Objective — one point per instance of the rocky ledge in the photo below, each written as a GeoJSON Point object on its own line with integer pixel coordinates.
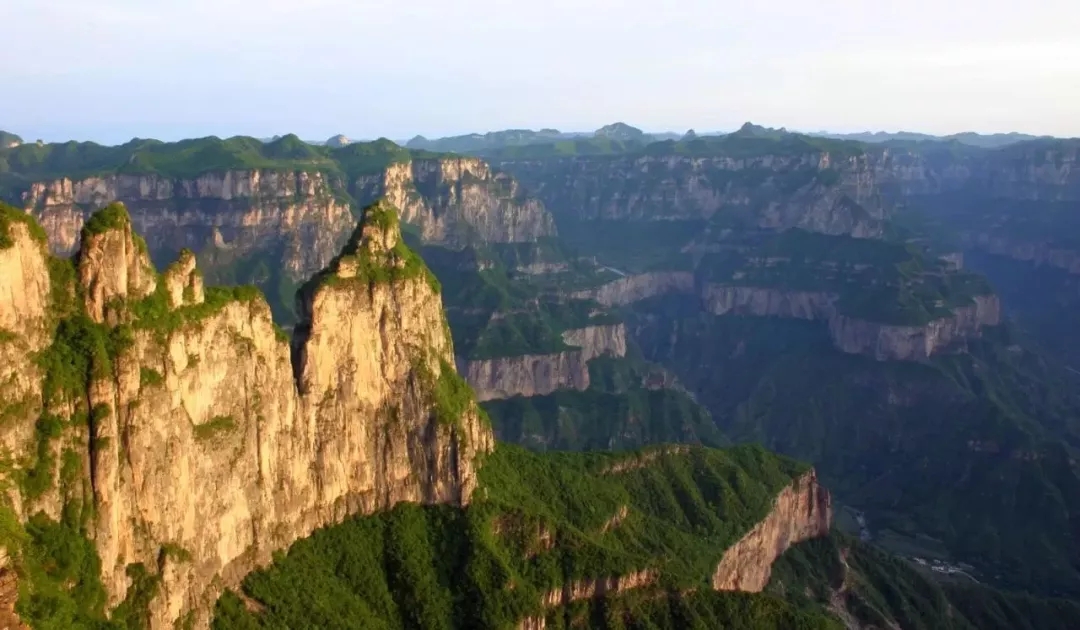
{"type": "Point", "coordinates": [542, 374]}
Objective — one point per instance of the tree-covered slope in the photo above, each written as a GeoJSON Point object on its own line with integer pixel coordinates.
{"type": "Point", "coordinates": [869, 588]}
{"type": "Point", "coordinates": [974, 449]}
{"type": "Point", "coordinates": [539, 522]}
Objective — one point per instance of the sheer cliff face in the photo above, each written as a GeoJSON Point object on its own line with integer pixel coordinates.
{"type": "Point", "coordinates": [802, 511]}
{"type": "Point", "coordinates": [542, 374]}
{"type": "Point", "coordinates": [212, 444]}
{"type": "Point", "coordinates": [455, 201]}
{"type": "Point", "coordinates": [640, 287]}
{"type": "Point", "coordinates": [242, 211]}
{"type": "Point", "coordinates": [1031, 170]}
{"type": "Point", "coordinates": [886, 342]}
{"type": "Point", "coordinates": [777, 191]}
{"type": "Point", "coordinates": [880, 341]}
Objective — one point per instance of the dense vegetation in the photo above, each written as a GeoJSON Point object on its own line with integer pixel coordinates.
{"type": "Point", "coordinates": [881, 281]}
{"type": "Point", "coordinates": [748, 142]}
{"type": "Point", "coordinates": [27, 163]}
{"type": "Point", "coordinates": [536, 522]}
{"type": "Point", "coordinates": [628, 404]}
{"type": "Point", "coordinates": [10, 215]}
{"type": "Point", "coordinates": [971, 449]}
{"type": "Point", "coordinates": [878, 589]}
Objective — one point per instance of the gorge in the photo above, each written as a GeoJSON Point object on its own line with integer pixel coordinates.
{"type": "Point", "coordinates": [211, 449]}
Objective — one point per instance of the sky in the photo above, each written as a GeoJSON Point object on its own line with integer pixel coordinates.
{"type": "Point", "coordinates": [111, 70]}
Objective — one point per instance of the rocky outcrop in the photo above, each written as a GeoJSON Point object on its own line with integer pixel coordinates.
{"type": "Point", "coordinates": [639, 287]}
{"type": "Point", "coordinates": [24, 285]}
{"type": "Point", "coordinates": [580, 590]}
{"type": "Point", "coordinates": [212, 443]}
{"type": "Point", "coordinates": [294, 214]}
{"type": "Point", "coordinates": [766, 302]}
{"type": "Point", "coordinates": [595, 341]}
{"type": "Point", "coordinates": [114, 267]}
{"type": "Point", "coordinates": [813, 191]}
{"type": "Point", "coordinates": [800, 512]}
{"type": "Point", "coordinates": [184, 282]}
{"type": "Point", "coordinates": [25, 320]}
{"type": "Point", "coordinates": [887, 342]}
{"type": "Point", "coordinates": [9, 595]}
{"type": "Point", "coordinates": [457, 200]}
{"type": "Point", "coordinates": [542, 374]}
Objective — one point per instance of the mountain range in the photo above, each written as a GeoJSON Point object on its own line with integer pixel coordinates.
{"type": "Point", "coordinates": [531, 379]}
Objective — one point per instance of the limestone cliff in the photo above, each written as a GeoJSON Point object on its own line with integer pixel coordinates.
{"type": "Point", "coordinates": [241, 211]}
{"type": "Point", "coordinates": [883, 342]}
{"type": "Point", "coordinates": [639, 287]}
{"type": "Point", "coordinates": [211, 443]}
{"type": "Point", "coordinates": [886, 342]}
{"type": "Point", "coordinates": [814, 191]}
{"type": "Point", "coordinates": [1036, 170]}
{"type": "Point", "coordinates": [766, 302]}
{"type": "Point", "coordinates": [457, 200]}
{"type": "Point", "coordinates": [802, 511]}
{"type": "Point", "coordinates": [113, 265]}
{"type": "Point", "coordinates": [542, 374]}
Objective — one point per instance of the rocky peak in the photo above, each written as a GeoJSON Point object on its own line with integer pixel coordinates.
{"type": "Point", "coordinates": [113, 264]}
{"type": "Point", "coordinates": [376, 247]}
{"type": "Point", "coordinates": [620, 131]}
{"type": "Point", "coordinates": [24, 277]}
{"type": "Point", "coordinates": [184, 282]}
{"type": "Point", "coordinates": [338, 141]}
{"type": "Point", "coordinates": [206, 450]}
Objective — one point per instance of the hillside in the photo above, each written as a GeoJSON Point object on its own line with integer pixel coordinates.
{"type": "Point", "coordinates": [552, 538]}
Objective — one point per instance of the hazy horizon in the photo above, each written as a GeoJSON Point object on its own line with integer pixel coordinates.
{"type": "Point", "coordinates": [111, 70]}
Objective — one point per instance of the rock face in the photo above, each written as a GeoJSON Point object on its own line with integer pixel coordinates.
{"type": "Point", "coordinates": [640, 287]}
{"type": "Point", "coordinates": [183, 282]}
{"type": "Point", "coordinates": [883, 342]}
{"type": "Point", "coordinates": [542, 374]}
{"type": "Point", "coordinates": [1023, 171]}
{"type": "Point", "coordinates": [802, 511]}
{"type": "Point", "coordinates": [886, 342]}
{"type": "Point", "coordinates": [113, 267]}
{"type": "Point", "coordinates": [296, 213]}
{"type": "Point", "coordinates": [459, 200]}
{"type": "Point", "coordinates": [24, 285]}
{"type": "Point", "coordinates": [762, 302]}
{"type": "Point", "coordinates": [213, 444]}
{"type": "Point", "coordinates": [778, 191]}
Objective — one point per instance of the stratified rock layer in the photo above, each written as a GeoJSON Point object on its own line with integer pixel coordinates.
{"type": "Point", "coordinates": [542, 374]}
{"type": "Point", "coordinates": [459, 200]}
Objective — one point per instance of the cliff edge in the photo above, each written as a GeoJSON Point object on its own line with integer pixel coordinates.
{"type": "Point", "coordinates": [184, 436]}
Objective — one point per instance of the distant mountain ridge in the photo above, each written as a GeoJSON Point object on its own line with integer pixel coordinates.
{"type": "Point", "coordinates": [970, 138]}
{"type": "Point", "coordinates": [494, 140]}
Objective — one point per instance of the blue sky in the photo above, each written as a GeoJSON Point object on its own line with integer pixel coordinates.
{"type": "Point", "coordinates": [110, 70]}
